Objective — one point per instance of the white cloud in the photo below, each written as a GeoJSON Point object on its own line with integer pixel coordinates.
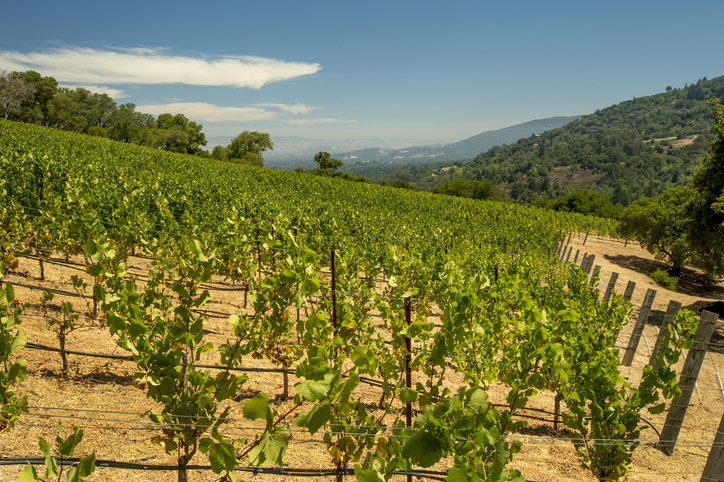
{"type": "Point", "coordinates": [299, 108]}
{"type": "Point", "coordinates": [100, 89]}
{"type": "Point", "coordinates": [153, 66]}
{"type": "Point", "coordinates": [310, 122]}
{"type": "Point", "coordinates": [209, 112]}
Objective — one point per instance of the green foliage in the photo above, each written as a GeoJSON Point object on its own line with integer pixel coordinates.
{"type": "Point", "coordinates": [468, 427]}
{"type": "Point", "coordinates": [167, 346]}
{"type": "Point", "coordinates": [97, 131]}
{"type": "Point", "coordinates": [35, 108]}
{"type": "Point", "coordinates": [11, 340]}
{"type": "Point", "coordinates": [79, 110]}
{"type": "Point", "coordinates": [622, 151]}
{"type": "Point", "coordinates": [246, 148]}
{"type": "Point", "coordinates": [584, 202]}
{"type": "Point", "coordinates": [127, 125]}
{"type": "Point", "coordinates": [65, 447]}
{"type": "Point", "coordinates": [661, 225]}
{"type": "Point", "coordinates": [63, 326]}
{"type": "Point", "coordinates": [534, 327]}
{"type": "Point", "coordinates": [707, 225]}
{"type": "Point", "coordinates": [178, 134]}
{"type": "Point", "coordinates": [464, 188]}
{"type": "Point", "coordinates": [404, 185]}
{"type": "Point", "coordinates": [349, 177]}
{"type": "Point", "coordinates": [326, 164]}
{"type": "Point", "coordinates": [30, 97]}
{"type": "Point", "coordinates": [14, 91]}
{"type": "Point", "coordinates": [662, 278]}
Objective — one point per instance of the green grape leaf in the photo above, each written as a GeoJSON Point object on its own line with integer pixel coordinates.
{"type": "Point", "coordinates": [28, 474]}
{"type": "Point", "coordinates": [314, 418]}
{"type": "Point", "coordinates": [423, 449]}
{"type": "Point", "coordinates": [257, 408]}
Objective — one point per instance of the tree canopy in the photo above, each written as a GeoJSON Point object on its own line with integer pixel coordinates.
{"type": "Point", "coordinates": [246, 148]}
{"type": "Point", "coordinates": [326, 165]}
{"type": "Point", "coordinates": [584, 202]}
{"type": "Point", "coordinates": [178, 134]}
{"type": "Point", "coordinates": [13, 93]}
{"type": "Point", "coordinates": [467, 188]}
{"type": "Point", "coordinates": [30, 97]}
{"type": "Point", "coordinates": [661, 225]}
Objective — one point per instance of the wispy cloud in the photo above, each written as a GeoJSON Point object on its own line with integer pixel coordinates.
{"type": "Point", "coordinates": [100, 89]}
{"type": "Point", "coordinates": [299, 108]}
{"type": "Point", "coordinates": [154, 66]}
{"type": "Point", "coordinates": [311, 122]}
{"type": "Point", "coordinates": [210, 112]}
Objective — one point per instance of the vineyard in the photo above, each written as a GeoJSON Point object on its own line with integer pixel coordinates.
{"type": "Point", "coordinates": [210, 321]}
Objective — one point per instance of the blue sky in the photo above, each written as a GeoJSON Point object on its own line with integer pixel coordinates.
{"type": "Point", "coordinates": [422, 71]}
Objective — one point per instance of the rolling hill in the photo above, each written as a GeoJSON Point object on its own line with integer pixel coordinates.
{"type": "Point", "coordinates": [637, 148]}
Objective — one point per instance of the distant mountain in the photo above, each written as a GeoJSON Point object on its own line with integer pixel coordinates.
{"type": "Point", "coordinates": [461, 150]}
{"type": "Point", "coordinates": [638, 148]}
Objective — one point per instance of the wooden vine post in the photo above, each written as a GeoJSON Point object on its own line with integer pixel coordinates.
{"type": "Point", "coordinates": [408, 371]}
{"type": "Point", "coordinates": [556, 412]}
{"type": "Point", "coordinates": [258, 249]}
{"type": "Point", "coordinates": [714, 468]}
{"type": "Point", "coordinates": [596, 272]}
{"type": "Point", "coordinates": [628, 294]}
{"type": "Point", "coordinates": [589, 263]}
{"type": "Point", "coordinates": [633, 342]}
{"type": "Point", "coordinates": [689, 374]}
{"type": "Point", "coordinates": [671, 312]}
{"type": "Point", "coordinates": [611, 285]}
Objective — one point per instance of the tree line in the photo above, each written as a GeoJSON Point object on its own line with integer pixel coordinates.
{"type": "Point", "coordinates": [30, 97]}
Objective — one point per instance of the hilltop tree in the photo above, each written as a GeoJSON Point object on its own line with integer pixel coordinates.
{"type": "Point", "coordinates": [178, 134]}
{"type": "Point", "coordinates": [246, 148]}
{"type": "Point", "coordinates": [326, 165]}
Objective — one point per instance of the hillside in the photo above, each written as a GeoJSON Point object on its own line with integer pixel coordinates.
{"type": "Point", "coordinates": [627, 151]}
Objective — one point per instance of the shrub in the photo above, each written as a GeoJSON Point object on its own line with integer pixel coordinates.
{"type": "Point", "coordinates": [662, 278]}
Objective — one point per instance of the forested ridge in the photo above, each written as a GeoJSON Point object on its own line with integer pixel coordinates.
{"type": "Point", "coordinates": [630, 150]}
